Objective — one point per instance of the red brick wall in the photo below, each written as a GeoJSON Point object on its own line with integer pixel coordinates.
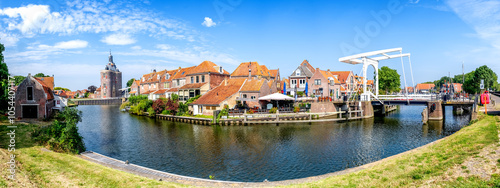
{"type": "Point", "coordinates": [216, 79]}
{"type": "Point", "coordinates": [38, 98]}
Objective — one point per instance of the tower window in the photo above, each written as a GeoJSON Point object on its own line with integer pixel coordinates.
{"type": "Point", "coordinates": [29, 93]}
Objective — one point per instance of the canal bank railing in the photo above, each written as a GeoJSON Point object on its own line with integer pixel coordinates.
{"type": "Point", "coordinates": [277, 118]}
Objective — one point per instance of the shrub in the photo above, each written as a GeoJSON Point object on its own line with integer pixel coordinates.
{"type": "Point", "coordinates": [182, 109]}
{"type": "Point", "coordinates": [273, 110]}
{"type": "Point", "coordinates": [190, 100]}
{"type": "Point", "coordinates": [172, 106]}
{"type": "Point", "coordinates": [250, 111]}
{"type": "Point", "coordinates": [159, 105]}
{"type": "Point", "coordinates": [296, 109]}
{"type": "Point", "coordinates": [174, 97]}
{"type": "Point", "coordinates": [63, 134]}
{"type": "Point", "coordinates": [136, 99]}
{"type": "Point", "coordinates": [151, 112]}
{"type": "Point", "coordinates": [124, 105]}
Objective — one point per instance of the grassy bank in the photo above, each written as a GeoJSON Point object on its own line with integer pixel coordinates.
{"type": "Point", "coordinates": [419, 167]}
{"type": "Point", "coordinates": [416, 168]}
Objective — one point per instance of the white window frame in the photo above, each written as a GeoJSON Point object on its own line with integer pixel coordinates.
{"type": "Point", "coordinates": [297, 72]}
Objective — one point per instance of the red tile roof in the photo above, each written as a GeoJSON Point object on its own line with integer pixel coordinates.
{"type": "Point", "coordinates": [328, 75]}
{"type": "Point", "coordinates": [173, 90]}
{"type": "Point", "coordinates": [309, 66]}
{"type": "Point", "coordinates": [253, 85]}
{"type": "Point", "coordinates": [182, 72]}
{"type": "Point", "coordinates": [46, 89]}
{"type": "Point", "coordinates": [171, 73]}
{"type": "Point", "coordinates": [274, 72]}
{"type": "Point", "coordinates": [207, 66]}
{"type": "Point", "coordinates": [341, 75]}
{"type": "Point", "coordinates": [193, 86]}
{"type": "Point", "coordinates": [257, 70]}
{"type": "Point", "coordinates": [161, 91]}
{"type": "Point", "coordinates": [217, 95]}
{"type": "Point", "coordinates": [153, 77]}
{"type": "Point", "coordinates": [48, 81]}
{"type": "Point", "coordinates": [425, 86]}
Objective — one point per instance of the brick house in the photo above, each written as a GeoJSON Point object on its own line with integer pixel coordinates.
{"type": "Point", "coordinates": [201, 79]}
{"type": "Point", "coordinates": [425, 88]}
{"type": "Point", "coordinates": [35, 98]}
{"type": "Point", "coordinates": [347, 81]}
{"type": "Point", "coordinates": [252, 69]}
{"type": "Point", "coordinates": [135, 88]}
{"type": "Point", "coordinates": [324, 84]}
{"type": "Point", "coordinates": [215, 99]}
{"type": "Point", "coordinates": [150, 83]}
{"type": "Point", "coordinates": [253, 89]}
{"type": "Point", "coordinates": [300, 77]}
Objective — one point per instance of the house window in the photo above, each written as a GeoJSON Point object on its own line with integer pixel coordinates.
{"type": "Point", "coordinates": [208, 107]}
{"type": "Point", "coordinates": [294, 82]}
{"type": "Point", "coordinates": [30, 93]}
{"type": "Point", "coordinates": [203, 78]}
{"type": "Point", "coordinates": [302, 83]}
{"type": "Point", "coordinates": [178, 83]}
{"type": "Point", "coordinates": [143, 79]}
{"type": "Point", "coordinates": [158, 77]}
{"type": "Point", "coordinates": [297, 72]}
{"type": "Point", "coordinates": [167, 76]}
{"type": "Point", "coordinates": [214, 108]}
{"type": "Point", "coordinates": [197, 79]}
{"type": "Point", "coordinates": [317, 82]}
{"type": "Point", "coordinates": [220, 69]}
{"type": "Point", "coordinates": [244, 96]}
{"type": "Point", "coordinates": [252, 97]}
{"type": "Point", "coordinates": [192, 79]}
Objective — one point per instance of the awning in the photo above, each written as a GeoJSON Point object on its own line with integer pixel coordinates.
{"type": "Point", "coordinates": [276, 97]}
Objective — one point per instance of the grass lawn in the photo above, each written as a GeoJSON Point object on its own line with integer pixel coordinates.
{"type": "Point", "coordinates": [412, 169]}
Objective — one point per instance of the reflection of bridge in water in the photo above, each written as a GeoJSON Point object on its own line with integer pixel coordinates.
{"type": "Point", "coordinates": [435, 104]}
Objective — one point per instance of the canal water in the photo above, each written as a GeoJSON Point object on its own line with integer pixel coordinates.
{"type": "Point", "coordinates": [258, 152]}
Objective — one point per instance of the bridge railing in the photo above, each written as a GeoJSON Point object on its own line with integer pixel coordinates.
{"type": "Point", "coordinates": [408, 97]}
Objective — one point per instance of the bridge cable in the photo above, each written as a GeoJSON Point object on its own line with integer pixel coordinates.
{"type": "Point", "coordinates": [404, 75]}
{"type": "Point", "coordinates": [411, 71]}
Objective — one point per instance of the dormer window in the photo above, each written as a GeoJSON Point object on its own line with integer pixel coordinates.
{"type": "Point", "coordinates": [167, 76]}
{"type": "Point", "coordinates": [220, 69]}
{"type": "Point", "coordinates": [143, 79]}
{"type": "Point", "coordinates": [158, 77]}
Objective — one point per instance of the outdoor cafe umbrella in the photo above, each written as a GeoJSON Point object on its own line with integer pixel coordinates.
{"type": "Point", "coordinates": [276, 97]}
{"type": "Point", "coordinates": [284, 88]}
{"type": "Point", "coordinates": [305, 90]}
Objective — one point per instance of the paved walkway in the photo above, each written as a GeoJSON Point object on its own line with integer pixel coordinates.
{"type": "Point", "coordinates": [493, 108]}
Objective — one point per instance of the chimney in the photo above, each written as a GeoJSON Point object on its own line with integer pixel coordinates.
{"type": "Point", "coordinates": [249, 73]}
{"type": "Point", "coordinates": [328, 70]}
{"type": "Point", "coordinates": [154, 70]}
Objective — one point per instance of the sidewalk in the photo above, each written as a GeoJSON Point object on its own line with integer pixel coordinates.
{"type": "Point", "coordinates": [492, 108]}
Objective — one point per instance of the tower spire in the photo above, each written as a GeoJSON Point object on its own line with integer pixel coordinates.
{"type": "Point", "coordinates": [110, 57]}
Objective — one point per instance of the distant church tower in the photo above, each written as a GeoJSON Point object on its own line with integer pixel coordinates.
{"type": "Point", "coordinates": [111, 80]}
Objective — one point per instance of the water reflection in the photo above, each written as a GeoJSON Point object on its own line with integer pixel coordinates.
{"type": "Point", "coordinates": [255, 153]}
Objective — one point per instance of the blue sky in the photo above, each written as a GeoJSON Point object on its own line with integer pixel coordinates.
{"type": "Point", "coordinates": [71, 40]}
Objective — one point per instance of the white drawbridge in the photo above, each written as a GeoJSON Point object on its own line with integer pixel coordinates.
{"type": "Point", "coordinates": [373, 58]}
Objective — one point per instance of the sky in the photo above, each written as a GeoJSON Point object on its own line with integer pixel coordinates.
{"type": "Point", "coordinates": [72, 39]}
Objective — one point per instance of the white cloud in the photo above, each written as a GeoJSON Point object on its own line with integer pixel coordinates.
{"type": "Point", "coordinates": [90, 17]}
{"type": "Point", "coordinates": [8, 40]}
{"type": "Point", "coordinates": [163, 46]}
{"type": "Point", "coordinates": [136, 47]}
{"type": "Point", "coordinates": [72, 44]}
{"type": "Point", "coordinates": [208, 22]}
{"type": "Point", "coordinates": [482, 15]}
{"type": "Point", "coordinates": [118, 39]}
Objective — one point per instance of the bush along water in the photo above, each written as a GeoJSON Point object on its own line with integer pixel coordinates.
{"type": "Point", "coordinates": [62, 135]}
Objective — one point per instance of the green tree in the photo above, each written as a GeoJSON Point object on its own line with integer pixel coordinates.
{"type": "Point", "coordinates": [4, 77]}
{"type": "Point", "coordinates": [130, 82]}
{"type": "Point", "coordinates": [468, 86]}
{"type": "Point", "coordinates": [61, 88]}
{"type": "Point", "coordinates": [389, 80]}
{"type": "Point", "coordinates": [41, 75]}
{"type": "Point", "coordinates": [439, 83]}
{"type": "Point", "coordinates": [19, 79]}
{"type": "Point", "coordinates": [486, 74]}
